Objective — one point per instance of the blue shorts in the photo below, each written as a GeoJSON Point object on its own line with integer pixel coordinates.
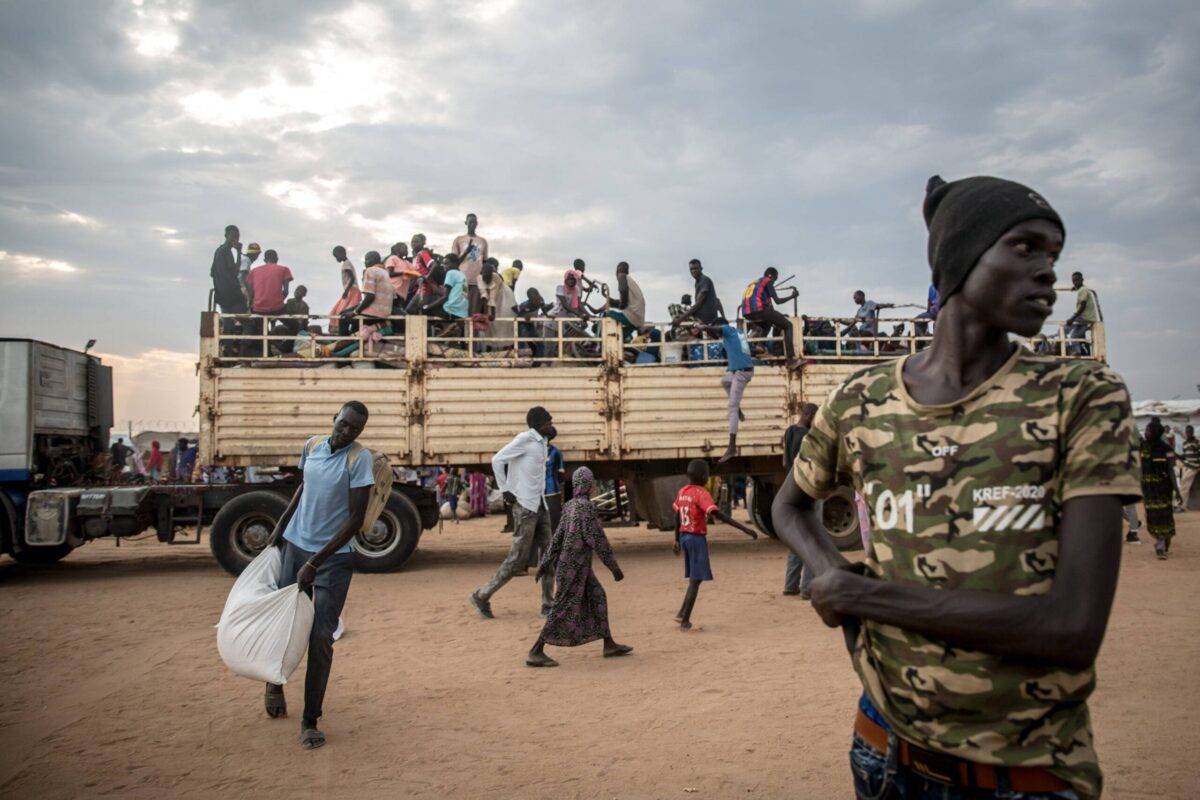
{"type": "Point", "coordinates": [695, 557]}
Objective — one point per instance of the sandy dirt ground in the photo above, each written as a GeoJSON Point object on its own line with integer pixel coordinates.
{"type": "Point", "coordinates": [113, 686]}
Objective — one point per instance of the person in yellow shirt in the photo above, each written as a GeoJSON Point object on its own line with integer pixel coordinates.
{"type": "Point", "coordinates": [511, 274]}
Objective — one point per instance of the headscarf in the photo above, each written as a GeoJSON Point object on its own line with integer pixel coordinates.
{"type": "Point", "coordinates": [572, 294]}
{"type": "Point", "coordinates": [581, 481]}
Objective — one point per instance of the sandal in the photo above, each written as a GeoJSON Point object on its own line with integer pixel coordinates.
{"type": "Point", "coordinates": [619, 650]}
{"type": "Point", "coordinates": [540, 660]}
{"type": "Point", "coordinates": [311, 738]}
{"type": "Point", "coordinates": [275, 702]}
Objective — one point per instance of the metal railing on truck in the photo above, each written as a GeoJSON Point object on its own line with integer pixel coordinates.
{"type": "Point", "coordinates": [456, 404]}
{"type": "Point", "coordinates": [571, 341]}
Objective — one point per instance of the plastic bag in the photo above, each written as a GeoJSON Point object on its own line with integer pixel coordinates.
{"type": "Point", "coordinates": [264, 630]}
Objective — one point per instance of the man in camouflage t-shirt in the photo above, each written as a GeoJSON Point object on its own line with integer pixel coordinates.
{"type": "Point", "coordinates": [994, 478]}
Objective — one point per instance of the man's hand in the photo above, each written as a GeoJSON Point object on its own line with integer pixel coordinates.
{"type": "Point", "coordinates": [675, 548]}
{"type": "Point", "coordinates": [306, 576]}
{"type": "Point", "coordinates": [829, 589]}
{"type": "Point", "coordinates": [537, 576]}
{"type": "Point", "coordinates": [510, 498]}
{"type": "Point", "coordinates": [618, 575]}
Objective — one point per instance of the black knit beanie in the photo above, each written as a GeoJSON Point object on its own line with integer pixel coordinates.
{"type": "Point", "coordinates": [968, 216]}
{"type": "Point", "coordinates": [537, 417]}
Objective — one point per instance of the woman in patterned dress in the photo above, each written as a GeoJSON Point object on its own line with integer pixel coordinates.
{"type": "Point", "coordinates": [580, 611]}
{"type": "Point", "coordinates": [1158, 487]}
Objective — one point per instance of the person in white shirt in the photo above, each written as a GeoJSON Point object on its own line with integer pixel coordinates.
{"type": "Point", "coordinates": [520, 470]}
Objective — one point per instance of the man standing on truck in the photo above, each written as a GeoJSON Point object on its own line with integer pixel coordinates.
{"type": "Point", "coordinates": [472, 251]}
{"type": "Point", "coordinates": [520, 470]}
{"type": "Point", "coordinates": [227, 288]}
{"type": "Point", "coordinates": [995, 479]}
{"type": "Point", "coordinates": [315, 530]}
{"type": "Point", "coordinates": [1087, 314]}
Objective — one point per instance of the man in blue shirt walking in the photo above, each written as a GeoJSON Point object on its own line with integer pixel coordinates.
{"type": "Point", "coordinates": [325, 513]}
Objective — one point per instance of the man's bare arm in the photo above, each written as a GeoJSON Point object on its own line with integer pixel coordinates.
{"type": "Point", "coordinates": [1063, 627]}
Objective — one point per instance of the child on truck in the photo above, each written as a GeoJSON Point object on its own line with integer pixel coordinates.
{"type": "Point", "coordinates": [693, 506]}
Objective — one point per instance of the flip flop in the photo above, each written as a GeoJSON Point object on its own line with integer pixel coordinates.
{"type": "Point", "coordinates": [275, 703]}
{"type": "Point", "coordinates": [311, 738]}
{"type": "Point", "coordinates": [543, 661]}
{"type": "Point", "coordinates": [622, 650]}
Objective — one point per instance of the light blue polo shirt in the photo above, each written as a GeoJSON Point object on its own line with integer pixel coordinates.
{"type": "Point", "coordinates": [737, 349]}
{"type": "Point", "coordinates": [456, 300]}
{"type": "Point", "coordinates": [325, 502]}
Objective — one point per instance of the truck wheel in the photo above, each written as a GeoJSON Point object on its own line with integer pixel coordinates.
{"type": "Point", "coordinates": [762, 494]}
{"type": "Point", "coordinates": [242, 528]}
{"type": "Point", "coordinates": [12, 529]}
{"type": "Point", "coordinates": [391, 540]}
{"type": "Point", "coordinates": [841, 519]}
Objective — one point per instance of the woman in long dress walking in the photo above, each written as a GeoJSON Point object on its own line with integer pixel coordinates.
{"type": "Point", "coordinates": [1158, 487]}
{"type": "Point", "coordinates": [580, 611]}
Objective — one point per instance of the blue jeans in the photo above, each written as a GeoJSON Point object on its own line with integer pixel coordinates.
{"type": "Point", "coordinates": [798, 576]}
{"type": "Point", "coordinates": [878, 777]}
{"type": "Point", "coordinates": [329, 597]}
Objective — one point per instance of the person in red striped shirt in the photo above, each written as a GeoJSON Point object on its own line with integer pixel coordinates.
{"type": "Point", "coordinates": [758, 306]}
{"type": "Point", "coordinates": [693, 506]}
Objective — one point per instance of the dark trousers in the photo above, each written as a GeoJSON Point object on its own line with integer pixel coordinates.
{"type": "Point", "coordinates": [329, 597]}
{"type": "Point", "coordinates": [527, 330]}
{"type": "Point", "coordinates": [777, 323]}
{"type": "Point", "coordinates": [554, 505]}
{"type": "Point", "coordinates": [232, 327]}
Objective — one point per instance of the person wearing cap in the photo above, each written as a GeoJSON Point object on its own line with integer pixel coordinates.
{"type": "Point", "coordinates": [995, 479]}
{"type": "Point", "coordinates": [520, 470]}
{"type": "Point", "coordinates": [245, 263]}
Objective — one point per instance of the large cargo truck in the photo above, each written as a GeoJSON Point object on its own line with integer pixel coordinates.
{"type": "Point", "coordinates": [55, 417]}
{"type": "Point", "coordinates": [453, 399]}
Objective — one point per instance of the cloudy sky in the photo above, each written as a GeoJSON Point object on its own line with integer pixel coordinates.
{"type": "Point", "coordinates": [794, 134]}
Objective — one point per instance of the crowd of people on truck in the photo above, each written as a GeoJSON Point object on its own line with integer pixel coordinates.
{"type": "Point", "coordinates": [991, 482]}
{"type": "Point", "coordinates": [465, 288]}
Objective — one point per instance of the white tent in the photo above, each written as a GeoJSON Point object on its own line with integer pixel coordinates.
{"type": "Point", "coordinates": [1173, 413]}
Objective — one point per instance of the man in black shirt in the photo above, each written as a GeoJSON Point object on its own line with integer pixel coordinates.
{"type": "Point", "coordinates": [227, 289]}
{"type": "Point", "coordinates": [533, 306]}
{"type": "Point", "coordinates": [707, 307]}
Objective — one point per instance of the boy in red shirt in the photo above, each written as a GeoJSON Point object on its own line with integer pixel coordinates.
{"type": "Point", "coordinates": [693, 506]}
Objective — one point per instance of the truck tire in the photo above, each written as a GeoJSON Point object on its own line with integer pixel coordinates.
{"type": "Point", "coordinates": [839, 516]}
{"type": "Point", "coordinates": [841, 519]}
{"type": "Point", "coordinates": [12, 529]}
{"type": "Point", "coordinates": [242, 527]}
{"type": "Point", "coordinates": [391, 540]}
{"type": "Point", "coordinates": [762, 494]}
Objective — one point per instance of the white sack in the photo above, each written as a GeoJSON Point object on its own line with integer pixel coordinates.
{"type": "Point", "coordinates": [264, 630]}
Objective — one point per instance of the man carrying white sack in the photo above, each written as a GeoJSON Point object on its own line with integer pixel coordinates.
{"type": "Point", "coordinates": [325, 513]}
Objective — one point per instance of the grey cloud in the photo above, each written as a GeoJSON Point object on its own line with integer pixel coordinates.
{"type": "Point", "coordinates": [769, 133]}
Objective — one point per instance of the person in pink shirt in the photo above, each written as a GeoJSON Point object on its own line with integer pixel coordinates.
{"type": "Point", "coordinates": [154, 463]}
{"type": "Point", "coordinates": [400, 273]}
{"type": "Point", "coordinates": [268, 287]}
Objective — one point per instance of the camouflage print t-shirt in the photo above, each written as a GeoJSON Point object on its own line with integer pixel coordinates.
{"type": "Point", "coordinates": [968, 496]}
